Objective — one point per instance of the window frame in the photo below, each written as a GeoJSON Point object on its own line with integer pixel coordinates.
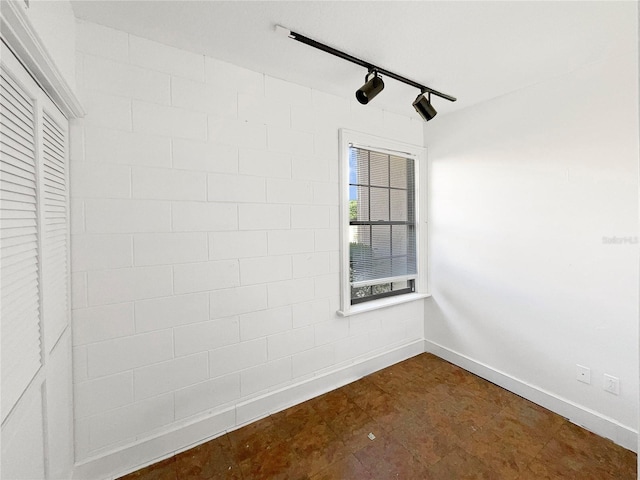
{"type": "Point", "coordinates": [349, 138]}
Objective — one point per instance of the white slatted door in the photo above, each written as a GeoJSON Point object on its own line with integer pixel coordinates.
{"type": "Point", "coordinates": [20, 295]}
{"type": "Point", "coordinates": [35, 341]}
{"type": "Point", "coordinates": [53, 204]}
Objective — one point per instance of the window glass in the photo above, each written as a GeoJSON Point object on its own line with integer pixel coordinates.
{"type": "Point", "coordinates": [382, 228]}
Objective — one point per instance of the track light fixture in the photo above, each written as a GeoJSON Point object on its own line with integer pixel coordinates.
{"type": "Point", "coordinates": [423, 106]}
{"type": "Point", "coordinates": [374, 84]}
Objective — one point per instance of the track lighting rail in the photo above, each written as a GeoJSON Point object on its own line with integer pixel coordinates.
{"type": "Point", "coordinates": [369, 66]}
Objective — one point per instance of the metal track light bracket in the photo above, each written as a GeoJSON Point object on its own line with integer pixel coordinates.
{"type": "Point", "coordinates": [369, 66]}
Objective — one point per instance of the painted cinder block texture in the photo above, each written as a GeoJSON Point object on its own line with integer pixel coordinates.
{"type": "Point", "coordinates": [205, 238]}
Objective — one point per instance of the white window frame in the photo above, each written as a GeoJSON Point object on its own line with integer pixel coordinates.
{"type": "Point", "coordinates": [350, 138]}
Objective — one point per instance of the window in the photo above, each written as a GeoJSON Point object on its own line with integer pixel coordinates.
{"type": "Point", "coordinates": [380, 222]}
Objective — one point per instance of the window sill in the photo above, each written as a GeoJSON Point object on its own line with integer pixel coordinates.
{"type": "Point", "coordinates": [381, 303]}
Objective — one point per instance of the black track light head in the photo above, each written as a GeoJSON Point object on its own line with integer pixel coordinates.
{"type": "Point", "coordinates": [372, 87]}
{"type": "Point", "coordinates": [423, 106]}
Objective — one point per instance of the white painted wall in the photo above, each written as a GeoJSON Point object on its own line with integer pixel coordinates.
{"type": "Point", "coordinates": [525, 191]}
{"type": "Point", "coordinates": [55, 24]}
{"type": "Point", "coordinates": [205, 247]}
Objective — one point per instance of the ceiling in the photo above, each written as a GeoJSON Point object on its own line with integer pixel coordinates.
{"type": "Point", "coordinates": [472, 50]}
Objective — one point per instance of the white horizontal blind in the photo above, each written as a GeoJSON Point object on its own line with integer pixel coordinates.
{"type": "Point", "coordinates": [382, 228]}
{"type": "Point", "coordinates": [20, 310]}
{"type": "Point", "coordinates": [54, 229]}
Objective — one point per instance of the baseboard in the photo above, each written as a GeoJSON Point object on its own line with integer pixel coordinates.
{"type": "Point", "coordinates": [182, 437]}
{"type": "Point", "coordinates": [578, 414]}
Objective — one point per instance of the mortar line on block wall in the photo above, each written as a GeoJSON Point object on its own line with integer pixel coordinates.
{"type": "Point", "coordinates": [206, 187]}
{"type": "Point", "coordinates": [84, 217]}
{"type": "Point", "coordinates": [173, 280]}
{"type": "Point", "coordinates": [130, 178]}
{"type": "Point", "coordinates": [131, 100]}
{"type": "Point", "coordinates": [110, 463]}
{"type": "Point", "coordinates": [173, 352]}
{"type": "Point", "coordinates": [173, 401]}
{"type": "Point", "coordinates": [85, 275]}
{"type": "Point", "coordinates": [208, 368]}
{"type": "Point", "coordinates": [132, 247]}
{"type": "Point", "coordinates": [171, 152]}
{"type": "Point", "coordinates": [171, 230]}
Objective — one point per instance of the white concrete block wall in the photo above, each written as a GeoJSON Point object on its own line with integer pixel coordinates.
{"type": "Point", "coordinates": [205, 238]}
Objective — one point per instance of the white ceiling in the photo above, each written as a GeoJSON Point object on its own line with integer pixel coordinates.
{"type": "Point", "coordinates": [472, 50]}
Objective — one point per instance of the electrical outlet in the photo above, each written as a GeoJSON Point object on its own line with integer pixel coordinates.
{"type": "Point", "coordinates": [583, 374]}
{"type": "Point", "coordinates": [612, 384]}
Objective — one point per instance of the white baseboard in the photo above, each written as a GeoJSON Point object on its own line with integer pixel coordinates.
{"type": "Point", "coordinates": [182, 437]}
{"type": "Point", "coordinates": [578, 414]}
{"type": "Point", "coordinates": [144, 452]}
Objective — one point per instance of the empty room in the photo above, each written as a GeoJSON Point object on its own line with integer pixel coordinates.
{"type": "Point", "coordinates": [319, 240]}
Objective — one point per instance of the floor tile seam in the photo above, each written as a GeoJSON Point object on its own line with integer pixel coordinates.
{"type": "Point", "coordinates": [487, 429]}
{"type": "Point", "coordinates": [527, 458]}
{"type": "Point", "coordinates": [318, 473]}
{"type": "Point", "coordinates": [514, 445]}
{"type": "Point", "coordinates": [236, 435]}
{"type": "Point", "coordinates": [269, 447]}
{"type": "Point", "coordinates": [294, 429]}
{"type": "Point", "coordinates": [354, 406]}
{"type": "Point", "coordinates": [513, 413]}
{"type": "Point", "coordinates": [590, 459]}
{"type": "Point", "coordinates": [482, 462]}
{"type": "Point", "coordinates": [419, 459]}
{"type": "Point", "coordinates": [320, 401]}
{"type": "Point", "coordinates": [252, 460]}
{"type": "Point", "coordinates": [484, 426]}
{"type": "Point", "coordinates": [435, 464]}
{"type": "Point", "coordinates": [513, 439]}
{"type": "Point", "coordinates": [380, 460]}
{"type": "Point", "coordinates": [577, 470]}
{"type": "Point", "coordinates": [299, 458]}
{"type": "Point", "coordinates": [539, 458]}
{"type": "Point", "coordinates": [341, 436]}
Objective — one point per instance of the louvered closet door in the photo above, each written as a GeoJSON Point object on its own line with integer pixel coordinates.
{"type": "Point", "coordinates": [19, 308]}
{"type": "Point", "coordinates": [54, 226]}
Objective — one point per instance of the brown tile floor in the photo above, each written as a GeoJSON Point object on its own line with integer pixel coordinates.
{"type": "Point", "coordinates": [431, 421]}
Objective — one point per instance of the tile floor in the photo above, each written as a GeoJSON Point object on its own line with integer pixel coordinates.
{"type": "Point", "coordinates": [431, 421]}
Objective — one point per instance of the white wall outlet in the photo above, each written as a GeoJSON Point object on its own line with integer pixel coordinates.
{"type": "Point", "coordinates": [612, 384]}
{"type": "Point", "coordinates": [583, 374]}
